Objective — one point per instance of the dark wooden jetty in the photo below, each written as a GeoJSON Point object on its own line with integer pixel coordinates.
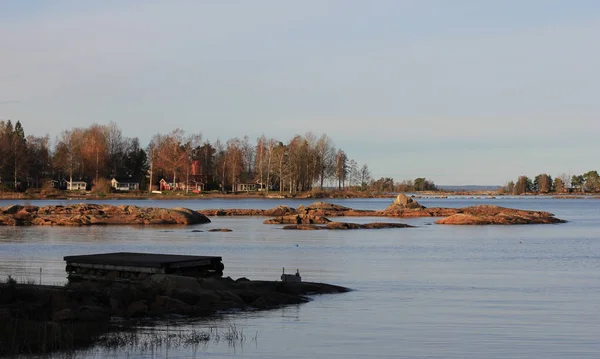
{"type": "Point", "coordinates": [138, 266]}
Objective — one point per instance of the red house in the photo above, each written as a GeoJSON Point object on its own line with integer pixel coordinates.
{"type": "Point", "coordinates": [165, 186]}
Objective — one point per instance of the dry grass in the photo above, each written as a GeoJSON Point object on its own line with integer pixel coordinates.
{"type": "Point", "coordinates": [153, 339]}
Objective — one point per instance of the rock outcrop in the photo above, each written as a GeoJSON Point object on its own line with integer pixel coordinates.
{"type": "Point", "coordinates": [298, 219]}
{"type": "Point", "coordinates": [406, 207]}
{"type": "Point", "coordinates": [403, 202]}
{"type": "Point", "coordinates": [485, 214]}
{"type": "Point", "coordinates": [316, 213]}
{"type": "Point", "coordinates": [96, 214]}
{"type": "Point", "coordinates": [44, 318]}
{"type": "Point", "coordinates": [279, 211]}
{"type": "Point", "coordinates": [232, 212]}
{"type": "Point", "coordinates": [346, 225]}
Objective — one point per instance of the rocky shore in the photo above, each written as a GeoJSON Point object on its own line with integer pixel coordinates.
{"type": "Point", "coordinates": [317, 213]}
{"type": "Point", "coordinates": [95, 214]}
{"type": "Point", "coordinates": [50, 318]}
{"type": "Point", "coordinates": [403, 206]}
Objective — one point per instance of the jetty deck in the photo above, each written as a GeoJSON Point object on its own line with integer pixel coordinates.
{"type": "Point", "coordinates": [138, 266]}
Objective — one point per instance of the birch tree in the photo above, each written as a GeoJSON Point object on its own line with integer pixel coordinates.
{"type": "Point", "coordinates": [68, 152]}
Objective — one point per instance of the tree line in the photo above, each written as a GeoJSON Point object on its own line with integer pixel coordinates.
{"type": "Point", "coordinates": [297, 165]}
{"type": "Point", "coordinates": [544, 183]}
{"type": "Point", "coordinates": [387, 184]}
{"type": "Point", "coordinates": [101, 152]}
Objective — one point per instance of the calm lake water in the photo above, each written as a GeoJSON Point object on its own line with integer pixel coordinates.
{"type": "Point", "coordinates": [427, 292]}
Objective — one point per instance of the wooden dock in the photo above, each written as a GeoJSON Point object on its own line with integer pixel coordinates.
{"type": "Point", "coordinates": [138, 266]}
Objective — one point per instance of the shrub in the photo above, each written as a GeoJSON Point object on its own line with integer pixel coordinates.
{"type": "Point", "coordinates": [101, 186]}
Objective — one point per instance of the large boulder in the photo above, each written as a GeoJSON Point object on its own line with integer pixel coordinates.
{"type": "Point", "coordinates": [279, 211]}
{"type": "Point", "coordinates": [323, 209]}
{"type": "Point", "coordinates": [403, 201]}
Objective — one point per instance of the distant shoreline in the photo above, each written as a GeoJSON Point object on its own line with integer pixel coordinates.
{"type": "Point", "coordinates": [63, 195]}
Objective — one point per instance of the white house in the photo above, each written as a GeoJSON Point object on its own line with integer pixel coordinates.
{"type": "Point", "coordinates": [75, 185]}
{"type": "Point", "coordinates": [124, 184]}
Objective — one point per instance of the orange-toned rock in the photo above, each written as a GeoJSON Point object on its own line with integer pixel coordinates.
{"type": "Point", "coordinates": [404, 201]}
{"type": "Point", "coordinates": [279, 211]}
{"type": "Point", "coordinates": [485, 214]}
{"type": "Point", "coordinates": [95, 214]}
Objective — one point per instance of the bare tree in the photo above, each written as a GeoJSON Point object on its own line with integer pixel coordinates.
{"type": "Point", "coordinates": [192, 142]}
{"type": "Point", "coordinates": [270, 151]}
{"type": "Point", "coordinates": [115, 146]}
{"type": "Point", "coordinates": [341, 168]}
{"type": "Point", "coordinates": [280, 154]}
{"type": "Point", "coordinates": [325, 158]}
{"type": "Point", "coordinates": [93, 153]}
{"type": "Point", "coordinates": [38, 150]}
{"type": "Point", "coordinates": [365, 176]}
{"type": "Point", "coordinates": [235, 159]}
{"type": "Point", "coordinates": [168, 153]}
{"type": "Point", "coordinates": [353, 171]}
{"type": "Point", "coordinates": [259, 158]}
{"type": "Point", "coordinates": [68, 152]}
{"type": "Point", "coordinates": [247, 152]}
{"type": "Point", "coordinates": [221, 163]}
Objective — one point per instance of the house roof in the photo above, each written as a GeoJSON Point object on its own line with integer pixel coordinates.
{"type": "Point", "coordinates": [126, 179]}
{"type": "Point", "coordinates": [66, 180]}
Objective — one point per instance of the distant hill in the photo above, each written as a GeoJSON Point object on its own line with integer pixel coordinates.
{"type": "Point", "coordinates": [467, 188]}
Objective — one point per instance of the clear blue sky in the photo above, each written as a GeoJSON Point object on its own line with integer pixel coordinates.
{"type": "Point", "coordinates": [461, 92]}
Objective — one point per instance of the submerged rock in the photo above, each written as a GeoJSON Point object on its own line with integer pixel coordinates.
{"type": "Point", "coordinates": [298, 219]}
{"type": "Point", "coordinates": [347, 225]}
{"type": "Point", "coordinates": [304, 227]}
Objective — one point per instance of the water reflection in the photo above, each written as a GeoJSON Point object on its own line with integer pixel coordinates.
{"type": "Point", "coordinates": [431, 291]}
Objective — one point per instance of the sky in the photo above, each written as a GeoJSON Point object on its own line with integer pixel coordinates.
{"type": "Point", "coordinates": [459, 92]}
